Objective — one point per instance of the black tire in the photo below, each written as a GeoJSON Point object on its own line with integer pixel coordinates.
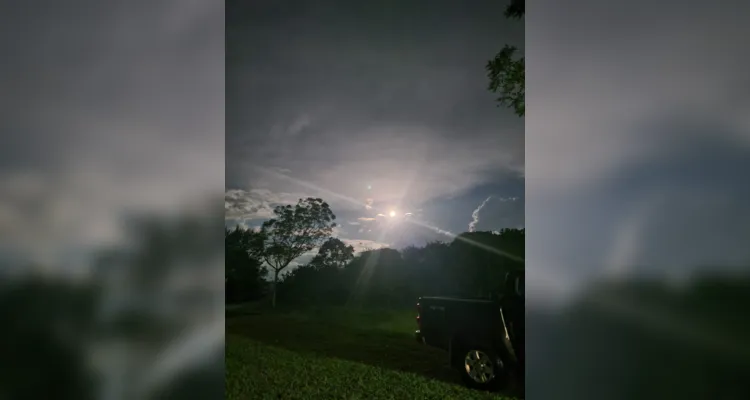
{"type": "Point", "coordinates": [489, 371]}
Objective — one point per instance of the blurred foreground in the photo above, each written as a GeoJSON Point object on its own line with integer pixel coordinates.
{"type": "Point", "coordinates": [110, 259]}
{"type": "Point", "coordinates": [145, 321]}
{"type": "Point", "coordinates": [644, 340]}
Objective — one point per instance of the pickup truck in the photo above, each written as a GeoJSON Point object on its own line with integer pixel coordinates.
{"type": "Point", "coordinates": [484, 338]}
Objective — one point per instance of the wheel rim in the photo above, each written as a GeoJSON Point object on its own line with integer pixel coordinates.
{"type": "Point", "coordinates": [479, 366]}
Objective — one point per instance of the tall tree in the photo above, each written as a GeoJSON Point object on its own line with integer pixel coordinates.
{"type": "Point", "coordinates": [243, 272]}
{"type": "Point", "coordinates": [295, 231]}
{"type": "Point", "coordinates": [333, 253]}
{"type": "Point", "coordinates": [507, 74]}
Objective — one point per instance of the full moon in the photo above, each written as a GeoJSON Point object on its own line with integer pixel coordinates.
{"type": "Point", "coordinates": [393, 214]}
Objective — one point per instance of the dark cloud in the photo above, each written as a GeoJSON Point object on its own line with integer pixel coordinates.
{"type": "Point", "coordinates": [380, 105]}
{"type": "Point", "coordinates": [255, 204]}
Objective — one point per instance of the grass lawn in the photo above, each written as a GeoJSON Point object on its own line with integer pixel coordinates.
{"type": "Point", "coordinates": [334, 353]}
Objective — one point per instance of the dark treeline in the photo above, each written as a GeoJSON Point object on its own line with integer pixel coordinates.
{"type": "Point", "coordinates": [391, 278]}
{"type": "Point", "coordinates": [244, 275]}
{"type": "Point", "coordinates": [53, 320]}
{"type": "Point", "coordinates": [473, 264]}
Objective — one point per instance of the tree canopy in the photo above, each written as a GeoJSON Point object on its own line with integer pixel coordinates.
{"type": "Point", "coordinates": [243, 272]}
{"type": "Point", "coordinates": [294, 231]}
{"type": "Point", "coordinates": [507, 74]}
{"type": "Point", "coordinates": [333, 253]}
{"type": "Point", "coordinates": [473, 264]}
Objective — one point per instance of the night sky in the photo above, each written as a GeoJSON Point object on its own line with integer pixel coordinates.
{"type": "Point", "coordinates": [374, 107]}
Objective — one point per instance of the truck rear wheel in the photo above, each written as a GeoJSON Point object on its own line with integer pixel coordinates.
{"type": "Point", "coordinates": [481, 368]}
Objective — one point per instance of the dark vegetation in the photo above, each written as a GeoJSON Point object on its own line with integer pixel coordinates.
{"type": "Point", "coordinates": [345, 312]}
{"type": "Point", "coordinates": [471, 265]}
{"type": "Point", "coordinates": [506, 71]}
{"type": "Point", "coordinates": [634, 339]}
{"type": "Point", "coordinates": [53, 324]}
{"type": "Point", "coordinates": [629, 339]}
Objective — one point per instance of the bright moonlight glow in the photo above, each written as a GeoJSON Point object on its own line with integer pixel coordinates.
{"type": "Point", "coordinates": [393, 214]}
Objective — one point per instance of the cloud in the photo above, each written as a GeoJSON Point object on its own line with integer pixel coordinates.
{"type": "Point", "coordinates": [361, 245]}
{"type": "Point", "coordinates": [338, 230]}
{"type": "Point", "coordinates": [255, 204]}
{"type": "Point", "coordinates": [621, 81]}
{"type": "Point", "coordinates": [299, 125]}
{"type": "Point", "coordinates": [111, 127]}
{"type": "Point", "coordinates": [376, 127]}
{"type": "Point", "coordinates": [95, 157]}
{"type": "Point", "coordinates": [375, 115]}
{"type": "Point", "coordinates": [475, 214]}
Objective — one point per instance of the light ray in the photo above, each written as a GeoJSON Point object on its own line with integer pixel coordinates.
{"type": "Point", "coordinates": [468, 241]}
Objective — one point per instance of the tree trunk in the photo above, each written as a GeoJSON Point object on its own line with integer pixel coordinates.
{"type": "Point", "coordinates": [275, 281]}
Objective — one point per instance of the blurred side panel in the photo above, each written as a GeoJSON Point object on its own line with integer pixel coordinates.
{"type": "Point", "coordinates": [111, 179]}
{"type": "Point", "coordinates": [638, 199]}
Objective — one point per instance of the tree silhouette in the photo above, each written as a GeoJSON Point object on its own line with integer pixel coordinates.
{"type": "Point", "coordinates": [473, 265]}
{"type": "Point", "coordinates": [295, 231]}
{"type": "Point", "coordinates": [516, 9]}
{"type": "Point", "coordinates": [333, 253]}
{"type": "Point", "coordinates": [508, 75]}
{"type": "Point", "coordinates": [243, 272]}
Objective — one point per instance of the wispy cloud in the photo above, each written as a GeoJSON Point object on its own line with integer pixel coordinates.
{"type": "Point", "coordinates": [254, 204]}
{"type": "Point", "coordinates": [475, 214]}
{"type": "Point", "coordinates": [361, 245]}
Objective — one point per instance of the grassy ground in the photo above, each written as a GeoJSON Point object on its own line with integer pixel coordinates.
{"type": "Point", "coordinates": [334, 353]}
